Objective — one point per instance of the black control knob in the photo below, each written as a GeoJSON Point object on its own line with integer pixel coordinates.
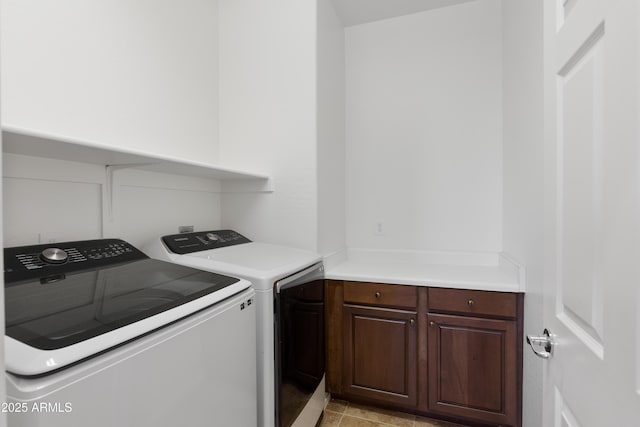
{"type": "Point", "coordinates": [54, 256]}
{"type": "Point", "coordinates": [212, 237]}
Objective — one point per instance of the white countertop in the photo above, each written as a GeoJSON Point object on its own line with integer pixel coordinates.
{"type": "Point", "coordinates": [489, 272]}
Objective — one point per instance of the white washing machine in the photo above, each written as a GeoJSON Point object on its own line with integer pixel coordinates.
{"type": "Point", "coordinates": [289, 285]}
{"type": "Point", "coordinates": [99, 334]}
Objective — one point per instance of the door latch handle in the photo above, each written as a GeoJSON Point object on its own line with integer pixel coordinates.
{"type": "Point", "coordinates": [545, 341]}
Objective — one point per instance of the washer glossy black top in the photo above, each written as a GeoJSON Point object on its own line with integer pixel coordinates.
{"type": "Point", "coordinates": [51, 306]}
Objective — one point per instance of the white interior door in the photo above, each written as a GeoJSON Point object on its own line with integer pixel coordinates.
{"type": "Point", "coordinates": [591, 213]}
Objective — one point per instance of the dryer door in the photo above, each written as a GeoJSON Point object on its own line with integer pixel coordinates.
{"type": "Point", "coordinates": [299, 331]}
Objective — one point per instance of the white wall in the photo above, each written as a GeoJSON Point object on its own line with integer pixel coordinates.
{"type": "Point", "coordinates": [424, 130]}
{"type": "Point", "coordinates": [356, 12]}
{"type": "Point", "coordinates": [57, 200]}
{"type": "Point", "coordinates": [150, 76]}
{"type": "Point", "coordinates": [139, 75]}
{"type": "Point", "coordinates": [149, 205]}
{"type": "Point", "coordinates": [331, 130]}
{"type": "Point", "coordinates": [523, 151]}
{"type": "Point", "coordinates": [268, 116]}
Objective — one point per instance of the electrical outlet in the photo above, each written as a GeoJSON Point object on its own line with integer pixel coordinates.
{"type": "Point", "coordinates": [379, 229]}
{"type": "Point", "coordinates": [185, 229]}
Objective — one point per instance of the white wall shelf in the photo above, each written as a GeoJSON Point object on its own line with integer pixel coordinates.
{"type": "Point", "coordinates": [31, 143]}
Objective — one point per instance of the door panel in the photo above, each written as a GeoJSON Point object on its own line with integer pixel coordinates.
{"type": "Point", "coordinates": [380, 354]}
{"type": "Point", "coordinates": [378, 372]}
{"type": "Point", "coordinates": [563, 415]}
{"type": "Point", "coordinates": [580, 181]}
{"type": "Point", "coordinates": [591, 211]}
{"type": "Point", "coordinates": [470, 366]}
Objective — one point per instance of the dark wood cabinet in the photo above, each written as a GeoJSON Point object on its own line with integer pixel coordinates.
{"type": "Point", "coordinates": [452, 353]}
{"type": "Point", "coordinates": [472, 368]}
{"type": "Point", "coordinates": [474, 359]}
{"type": "Point", "coordinates": [380, 359]}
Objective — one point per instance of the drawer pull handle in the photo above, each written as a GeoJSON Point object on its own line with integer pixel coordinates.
{"type": "Point", "coordinates": [432, 324]}
{"type": "Point", "coordinates": [378, 295]}
{"type": "Point", "coordinates": [470, 303]}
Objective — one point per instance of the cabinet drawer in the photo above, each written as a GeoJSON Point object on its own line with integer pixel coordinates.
{"type": "Point", "coordinates": [380, 295]}
{"type": "Point", "coordinates": [473, 302]}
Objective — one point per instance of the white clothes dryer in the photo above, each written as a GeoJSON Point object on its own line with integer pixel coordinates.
{"type": "Point", "coordinates": [289, 285]}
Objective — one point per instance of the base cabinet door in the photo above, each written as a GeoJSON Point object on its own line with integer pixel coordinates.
{"type": "Point", "coordinates": [472, 368]}
{"type": "Point", "coordinates": [380, 358]}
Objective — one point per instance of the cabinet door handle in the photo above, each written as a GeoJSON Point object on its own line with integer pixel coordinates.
{"type": "Point", "coordinates": [470, 303]}
{"type": "Point", "coordinates": [432, 324]}
{"type": "Point", "coordinates": [378, 294]}
{"type": "Point", "coordinates": [412, 322]}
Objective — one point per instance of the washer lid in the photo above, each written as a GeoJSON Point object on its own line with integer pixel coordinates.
{"type": "Point", "coordinates": [82, 305]}
{"type": "Point", "coordinates": [61, 309]}
{"type": "Point", "coordinates": [24, 360]}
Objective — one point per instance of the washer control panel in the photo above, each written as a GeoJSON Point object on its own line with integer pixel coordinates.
{"type": "Point", "coordinates": [186, 243]}
{"type": "Point", "coordinates": [28, 262]}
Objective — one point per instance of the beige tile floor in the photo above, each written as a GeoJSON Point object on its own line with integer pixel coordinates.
{"type": "Point", "coordinates": [345, 414]}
